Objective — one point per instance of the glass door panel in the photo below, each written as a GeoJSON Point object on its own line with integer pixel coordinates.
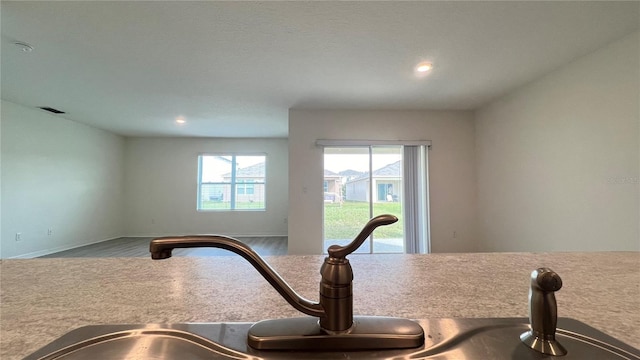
{"type": "Point", "coordinates": [387, 177]}
{"type": "Point", "coordinates": [346, 205]}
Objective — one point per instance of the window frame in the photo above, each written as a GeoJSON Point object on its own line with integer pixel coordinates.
{"type": "Point", "coordinates": [234, 184]}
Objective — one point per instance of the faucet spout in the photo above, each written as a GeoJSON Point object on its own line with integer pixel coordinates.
{"type": "Point", "coordinates": [161, 248]}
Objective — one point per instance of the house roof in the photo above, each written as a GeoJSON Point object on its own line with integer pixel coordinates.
{"type": "Point", "coordinates": [390, 170]}
{"type": "Point", "coordinates": [253, 171]}
{"type": "Point", "coordinates": [329, 173]}
{"type": "Point", "coordinates": [350, 172]}
{"type": "Point", "coordinates": [394, 169]}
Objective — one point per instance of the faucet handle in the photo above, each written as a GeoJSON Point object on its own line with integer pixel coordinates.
{"type": "Point", "coordinates": [546, 279]}
{"type": "Point", "coordinates": [337, 251]}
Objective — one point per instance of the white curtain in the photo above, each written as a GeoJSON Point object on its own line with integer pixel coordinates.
{"type": "Point", "coordinates": [416, 209]}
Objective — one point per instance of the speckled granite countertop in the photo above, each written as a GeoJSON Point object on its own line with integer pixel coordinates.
{"type": "Point", "coordinates": [43, 299]}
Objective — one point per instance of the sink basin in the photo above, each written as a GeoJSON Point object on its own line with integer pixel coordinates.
{"type": "Point", "coordinates": [153, 341]}
{"type": "Point", "coordinates": [496, 338]}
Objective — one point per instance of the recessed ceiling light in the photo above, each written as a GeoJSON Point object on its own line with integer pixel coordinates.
{"type": "Point", "coordinates": [180, 120]}
{"type": "Point", "coordinates": [424, 67]}
{"type": "Point", "coordinates": [23, 46]}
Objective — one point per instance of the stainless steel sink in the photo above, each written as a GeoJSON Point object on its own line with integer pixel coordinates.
{"type": "Point", "coordinates": [468, 339]}
{"type": "Point", "coordinates": [179, 341]}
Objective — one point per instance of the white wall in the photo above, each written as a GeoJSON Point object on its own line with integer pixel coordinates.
{"type": "Point", "coordinates": [161, 188]}
{"type": "Point", "coordinates": [60, 175]}
{"type": "Point", "coordinates": [451, 160]}
{"type": "Point", "coordinates": [558, 160]}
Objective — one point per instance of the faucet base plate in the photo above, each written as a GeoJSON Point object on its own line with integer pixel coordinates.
{"type": "Point", "coordinates": [368, 333]}
{"type": "Point", "coordinates": [544, 346]}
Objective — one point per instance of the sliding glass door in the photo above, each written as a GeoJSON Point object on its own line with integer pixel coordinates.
{"type": "Point", "coordinates": [361, 182]}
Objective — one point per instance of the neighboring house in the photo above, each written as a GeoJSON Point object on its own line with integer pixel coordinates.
{"type": "Point", "coordinates": [387, 184]}
{"type": "Point", "coordinates": [249, 184]}
{"type": "Point", "coordinates": [350, 175]}
{"type": "Point", "coordinates": [332, 186]}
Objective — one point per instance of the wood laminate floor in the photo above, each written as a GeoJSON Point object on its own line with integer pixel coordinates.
{"type": "Point", "coordinates": [139, 247]}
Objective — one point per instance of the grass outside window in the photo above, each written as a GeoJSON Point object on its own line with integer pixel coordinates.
{"type": "Point", "coordinates": [344, 221]}
{"type": "Point", "coordinates": [220, 205]}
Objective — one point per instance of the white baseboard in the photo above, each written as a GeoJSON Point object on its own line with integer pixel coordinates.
{"type": "Point", "coordinates": [39, 253]}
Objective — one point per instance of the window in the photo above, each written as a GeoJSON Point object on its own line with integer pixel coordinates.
{"type": "Point", "coordinates": [231, 182]}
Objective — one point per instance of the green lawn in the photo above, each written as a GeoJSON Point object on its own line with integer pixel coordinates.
{"type": "Point", "coordinates": [224, 205]}
{"type": "Point", "coordinates": [344, 221]}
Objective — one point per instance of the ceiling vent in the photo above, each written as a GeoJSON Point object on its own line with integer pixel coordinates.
{"type": "Point", "coordinates": [52, 110]}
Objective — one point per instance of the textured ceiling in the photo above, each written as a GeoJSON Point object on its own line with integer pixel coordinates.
{"type": "Point", "coordinates": [233, 69]}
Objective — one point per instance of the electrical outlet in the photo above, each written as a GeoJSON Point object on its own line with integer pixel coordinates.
{"type": "Point", "coordinates": [49, 232]}
{"type": "Point", "coordinates": [454, 235]}
{"type": "Point", "coordinates": [18, 236]}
